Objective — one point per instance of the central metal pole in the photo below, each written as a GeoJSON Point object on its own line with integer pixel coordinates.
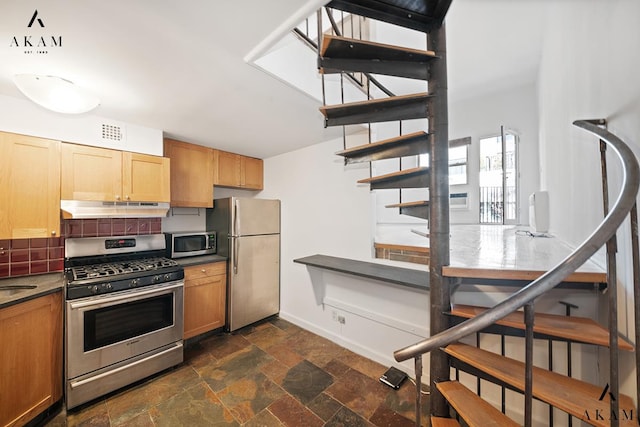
{"type": "Point", "coordinates": [440, 297]}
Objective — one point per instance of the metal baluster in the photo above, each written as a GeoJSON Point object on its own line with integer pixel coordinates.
{"type": "Point", "coordinates": [503, 393]}
{"type": "Point", "coordinates": [418, 369]}
{"type": "Point", "coordinates": [568, 307]}
{"type": "Point", "coordinates": [319, 24]}
{"type": "Point", "coordinates": [612, 290]}
{"type": "Point", "coordinates": [635, 250]}
{"type": "Point", "coordinates": [478, 383]}
{"type": "Point", "coordinates": [550, 369]}
{"type": "Point", "coordinates": [528, 371]}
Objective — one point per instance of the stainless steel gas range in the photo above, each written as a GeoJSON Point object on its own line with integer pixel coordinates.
{"type": "Point", "coordinates": [124, 313]}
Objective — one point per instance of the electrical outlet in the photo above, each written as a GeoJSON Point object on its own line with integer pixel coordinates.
{"type": "Point", "coordinates": [334, 315]}
{"type": "Point", "coordinates": [341, 320]}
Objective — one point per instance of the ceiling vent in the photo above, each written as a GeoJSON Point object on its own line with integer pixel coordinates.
{"type": "Point", "coordinates": [113, 133]}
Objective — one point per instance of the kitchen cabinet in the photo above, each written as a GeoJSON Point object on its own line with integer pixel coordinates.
{"type": "Point", "coordinates": [29, 187]}
{"type": "Point", "coordinates": [30, 358]}
{"type": "Point", "coordinates": [236, 171]}
{"type": "Point", "coordinates": [205, 291]}
{"type": "Point", "coordinates": [251, 173]}
{"type": "Point", "coordinates": [100, 174]}
{"type": "Point", "coordinates": [192, 173]}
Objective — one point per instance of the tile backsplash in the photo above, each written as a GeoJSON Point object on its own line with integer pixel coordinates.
{"type": "Point", "coordinates": [111, 227]}
{"type": "Point", "coordinates": [23, 257]}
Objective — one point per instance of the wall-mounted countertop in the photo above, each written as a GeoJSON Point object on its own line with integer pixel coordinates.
{"type": "Point", "coordinates": [44, 284]}
{"type": "Point", "coordinates": [204, 259]}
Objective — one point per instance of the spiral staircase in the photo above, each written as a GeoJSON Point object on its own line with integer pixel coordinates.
{"type": "Point", "coordinates": [452, 403]}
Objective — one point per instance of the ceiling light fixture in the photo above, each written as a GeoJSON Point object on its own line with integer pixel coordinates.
{"type": "Point", "coordinates": [55, 93]}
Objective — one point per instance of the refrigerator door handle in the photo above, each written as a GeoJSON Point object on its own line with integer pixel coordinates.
{"type": "Point", "coordinates": [236, 219]}
{"type": "Point", "coordinates": [235, 255]}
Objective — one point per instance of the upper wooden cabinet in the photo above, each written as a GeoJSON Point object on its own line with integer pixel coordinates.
{"type": "Point", "coordinates": [146, 178]}
{"type": "Point", "coordinates": [100, 174]}
{"type": "Point", "coordinates": [251, 173]}
{"type": "Point", "coordinates": [236, 171]}
{"type": "Point", "coordinates": [191, 174]}
{"type": "Point", "coordinates": [29, 187]}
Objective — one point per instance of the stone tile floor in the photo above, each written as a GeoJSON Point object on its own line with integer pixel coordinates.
{"type": "Point", "coordinates": [271, 374]}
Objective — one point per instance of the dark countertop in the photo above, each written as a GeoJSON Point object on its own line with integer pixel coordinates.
{"type": "Point", "coordinates": [204, 259]}
{"type": "Point", "coordinates": [417, 279]}
{"type": "Point", "coordinates": [45, 284]}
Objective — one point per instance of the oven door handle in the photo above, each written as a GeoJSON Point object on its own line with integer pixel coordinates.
{"type": "Point", "coordinates": [129, 296]}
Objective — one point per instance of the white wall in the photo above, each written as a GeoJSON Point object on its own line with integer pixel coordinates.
{"type": "Point", "coordinates": [589, 69]}
{"type": "Point", "coordinates": [325, 212]}
{"type": "Point", "coordinates": [480, 117]}
{"type": "Point", "coordinates": [24, 117]}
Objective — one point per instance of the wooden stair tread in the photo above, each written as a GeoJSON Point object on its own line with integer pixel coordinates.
{"type": "Point", "coordinates": [352, 55]}
{"type": "Point", "coordinates": [393, 175]}
{"type": "Point", "coordinates": [444, 422]}
{"type": "Point", "coordinates": [573, 396]}
{"type": "Point", "coordinates": [419, 15]}
{"type": "Point", "coordinates": [401, 107]}
{"type": "Point", "coordinates": [365, 49]}
{"type": "Point", "coordinates": [472, 408]}
{"type": "Point", "coordinates": [586, 277]}
{"type": "Point", "coordinates": [574, 328]}
{"type": "Point", "coordinates": [409, 204]}
{"type": "Point", "coordinates": [404, 145]}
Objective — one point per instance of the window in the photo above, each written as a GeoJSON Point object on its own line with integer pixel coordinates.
{"type": "Point", "coordinates": [499, 179]}
{"type": "Point", "coordinates": [458, 158]}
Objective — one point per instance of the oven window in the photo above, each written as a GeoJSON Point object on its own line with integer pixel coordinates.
{"type": "Point", "coordinates": [189, 243]}
{"type": "Point", "coordinates": [109, 325]}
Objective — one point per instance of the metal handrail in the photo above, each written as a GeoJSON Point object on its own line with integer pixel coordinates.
{"type": "Point", "coordinates": [607, 228]}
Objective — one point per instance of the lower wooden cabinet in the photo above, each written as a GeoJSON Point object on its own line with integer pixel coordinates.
{"type": "Point", "coordinates": [205, 291]}
{"type": "Point", "coordinates": [30, 358]}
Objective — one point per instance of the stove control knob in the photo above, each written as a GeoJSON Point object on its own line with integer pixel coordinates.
{"type": "Point", "coordinates": [133, 283]}
{"type": "Point", "coordinates": [167, 277]}
{"type": "Point", "coordinates": [108, 286]}
{"type": "Point", "coordinates": [157, 278]}
{"type": "Point", "coordinates": [94, 289]}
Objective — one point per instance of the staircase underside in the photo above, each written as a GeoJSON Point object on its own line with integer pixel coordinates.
{"type": "Point", "coordinates": [407, 178]}
{"type": "Point", "coordinates": [571, 328]}
{"type": "Point", "coordinates": [394, 108]}
{"type": "Point", "coordinates": [418, 209]}
{"type": "Point", "coordinates": [411, 144]}
{"type": "Point", "coordinates": [340, 54]}
{"type": "Point", "coordinates": [420, 15]}
{"type": "Point", "coordinates": [573, 396]}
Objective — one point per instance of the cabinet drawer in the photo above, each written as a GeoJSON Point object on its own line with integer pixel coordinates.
{"type": "Point", "coordinates": [194, 272]}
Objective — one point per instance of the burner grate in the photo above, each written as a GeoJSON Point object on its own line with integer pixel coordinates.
{"type": "Point", "coordinates": [113, 269]}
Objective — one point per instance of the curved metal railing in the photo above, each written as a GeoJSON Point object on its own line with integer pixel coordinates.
{"type": "Point", "coordinates": [607, 229]}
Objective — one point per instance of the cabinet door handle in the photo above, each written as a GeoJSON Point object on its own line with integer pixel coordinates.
{"type": "Point", "coordinates": [53, 232]}
{"type": "Point", "coordinates": [117, 197]}
{"type": "Point", "coordinates": [203, 270]}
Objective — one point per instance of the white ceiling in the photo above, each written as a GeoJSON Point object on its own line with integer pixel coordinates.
{"type": "Point", "coordinates": [178, 65]}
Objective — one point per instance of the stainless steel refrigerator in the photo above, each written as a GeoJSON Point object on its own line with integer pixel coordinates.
{"type": "Point", "coordinates": [249, 236]}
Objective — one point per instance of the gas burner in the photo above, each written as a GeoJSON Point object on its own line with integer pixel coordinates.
{"type": "Point", "coordinates": [109, 270]}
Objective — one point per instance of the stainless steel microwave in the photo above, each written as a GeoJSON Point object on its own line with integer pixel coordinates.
{"type": "Point", "coordinates": [186, 244]}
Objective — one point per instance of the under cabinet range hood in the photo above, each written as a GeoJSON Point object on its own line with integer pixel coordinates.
{"type": "Point", "coordinates": [80, 209]}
